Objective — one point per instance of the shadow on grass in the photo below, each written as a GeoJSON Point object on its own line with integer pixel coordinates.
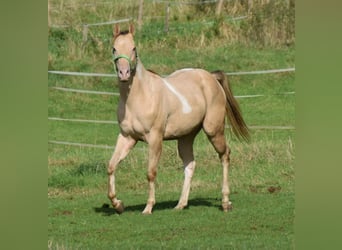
{"type": "Point", "coordinates": [107, 210]}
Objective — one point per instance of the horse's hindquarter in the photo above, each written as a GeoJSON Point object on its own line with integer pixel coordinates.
{"type": "Point", "coordinates": [192, 90]}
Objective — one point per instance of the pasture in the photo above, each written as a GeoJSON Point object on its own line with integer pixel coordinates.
{"type": "Point", "coordinates": [261, 173]}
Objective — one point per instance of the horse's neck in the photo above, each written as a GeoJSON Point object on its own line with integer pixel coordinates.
{"type": "Point", "coordinates": [136, 84]}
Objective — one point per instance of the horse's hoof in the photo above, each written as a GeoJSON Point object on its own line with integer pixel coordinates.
{"type": "Point", "coordinates": [179, 207]}
{"type": "Point", "coordinates": [227, 207]}
{"type": "Point", "coordinates": [147, 210]}
{"type": "Point", "coordinates": [119, 207]}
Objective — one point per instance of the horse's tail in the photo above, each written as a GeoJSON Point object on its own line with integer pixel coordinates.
{"type": "Point", "coordinates": [235, 118]}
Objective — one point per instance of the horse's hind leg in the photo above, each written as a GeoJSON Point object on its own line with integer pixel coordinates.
{"type": "Point", "coordinates": [185, 149]}
{"type": "Point", "coordinates": [226, 204]}
{"type": "Point", "coordinates": [219, 142]}
{"type": "Point", "coordinates": [122, 148]}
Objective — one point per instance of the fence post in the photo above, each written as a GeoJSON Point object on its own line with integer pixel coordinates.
{"type": "Point", "coordinates": [288, 4]}
{"type": "Point", "coordinates": [250, 5]}
{"type": "Point", "coordinates": [219, 7]}
{"type": "Point", "coordinates": [85, 33]}
{"type": "Point", "coordinates": [166, 28]}
{"type": "Point", "coordinates": [49, 20]}
{"type": "Point", "coordinates": [140, 16]}
{"type": "Point", "coordinates": [61, 5]}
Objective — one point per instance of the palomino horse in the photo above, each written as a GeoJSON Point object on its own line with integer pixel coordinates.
{"type": "Point", "coordinates": [153, 109]}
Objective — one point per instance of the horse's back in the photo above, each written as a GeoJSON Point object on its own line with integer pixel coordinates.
{"type": "Point", "coordinates": [196, 82]}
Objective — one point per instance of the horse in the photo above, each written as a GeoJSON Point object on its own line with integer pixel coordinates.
{"type": "Point", "coordinates": [153, 108]}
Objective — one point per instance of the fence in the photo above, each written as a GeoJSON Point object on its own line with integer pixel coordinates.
{"type": "Point", "coordinates": [140, 17]}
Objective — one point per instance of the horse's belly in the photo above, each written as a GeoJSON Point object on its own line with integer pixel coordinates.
{"type": "Point", "coordinates": [179, 127]}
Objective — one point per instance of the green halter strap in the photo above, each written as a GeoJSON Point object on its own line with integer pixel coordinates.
{"type": "Point", "coordinates": [115, 58]}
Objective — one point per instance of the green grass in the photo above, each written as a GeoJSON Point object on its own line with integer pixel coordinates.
{"type": "Point", "coordinates": [254, 223]}
{"type": "Point", "coordinates": [261, 173]}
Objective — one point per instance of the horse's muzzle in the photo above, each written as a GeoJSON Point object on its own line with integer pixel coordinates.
{"type": "Point", "coordinates": [124, 74]}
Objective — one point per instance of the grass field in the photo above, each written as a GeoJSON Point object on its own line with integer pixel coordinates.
{"type": "Point", "coordinates": [261, 174]}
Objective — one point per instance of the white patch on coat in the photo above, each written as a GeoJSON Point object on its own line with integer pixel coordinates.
{"type": "Point", "coordinates": [186, 108]}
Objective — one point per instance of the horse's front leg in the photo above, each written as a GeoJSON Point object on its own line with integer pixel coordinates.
{"type": "Point", "coordinates": [122, 148]}
{"type": "Point", "coordinates": [155, 147]}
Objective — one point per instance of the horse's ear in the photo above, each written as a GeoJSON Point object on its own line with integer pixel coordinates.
{"type": "Point", "coordinates": [116, 30]}
{"type": "Point", "coordinates": [131, 29]}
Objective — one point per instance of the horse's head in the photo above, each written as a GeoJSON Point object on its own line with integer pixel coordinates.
{"type": "Point", "coordinates": [124, 52]}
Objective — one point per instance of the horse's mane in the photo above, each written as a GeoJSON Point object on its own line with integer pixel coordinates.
{"type": "Point", "coordinates": [124, 32]}
{"type": "Point", "coordinates": [153, 72]}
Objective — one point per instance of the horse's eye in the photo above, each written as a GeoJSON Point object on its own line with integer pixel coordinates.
{"type": "Point", "coordinates": [134, 49]}
{"type": "Point", "coordinates": [113, 51]}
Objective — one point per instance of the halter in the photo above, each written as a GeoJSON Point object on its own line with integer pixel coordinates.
{"type": "Point", "coordinates": [131, 66]}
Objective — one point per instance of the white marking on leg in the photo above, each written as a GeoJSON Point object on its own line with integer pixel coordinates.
{"type": "Point", "coordinates": [188, 173]}
{"type": "Point", "coordinates": [186, 108]}
{"type": "Point", "coordinates": [189, 170]}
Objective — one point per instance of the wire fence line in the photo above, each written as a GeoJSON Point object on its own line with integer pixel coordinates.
{"type": "Point", "coordinates": [78, 144]}
{"type": "Point", "coordinates": [80, 73]}
{"type": "Point", "coordinates": [262, 95]}
{"type": "Point", "coordinates": [116, 123]}
{"type": "Point", "coordinates": [57, 8]}
{"type": "Point", "coordinates": [112, 2]}
{"type": "Point", "coordinates": [118, 94]}
{"type": "Point", "coordinates": [82, 120]}
{"type": "Point", "coordinates": [110, 22]}
{"type": "Point", "coordinates": [85, 25]}
{"type": "Point", "coordinates": [270, 71]}
{"type": "Point", "coordinates": [146, 17]}
{"type": "Point", "coordinates": [86, 91]}
{"type": "Point", "coordinates": [185, 2]}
